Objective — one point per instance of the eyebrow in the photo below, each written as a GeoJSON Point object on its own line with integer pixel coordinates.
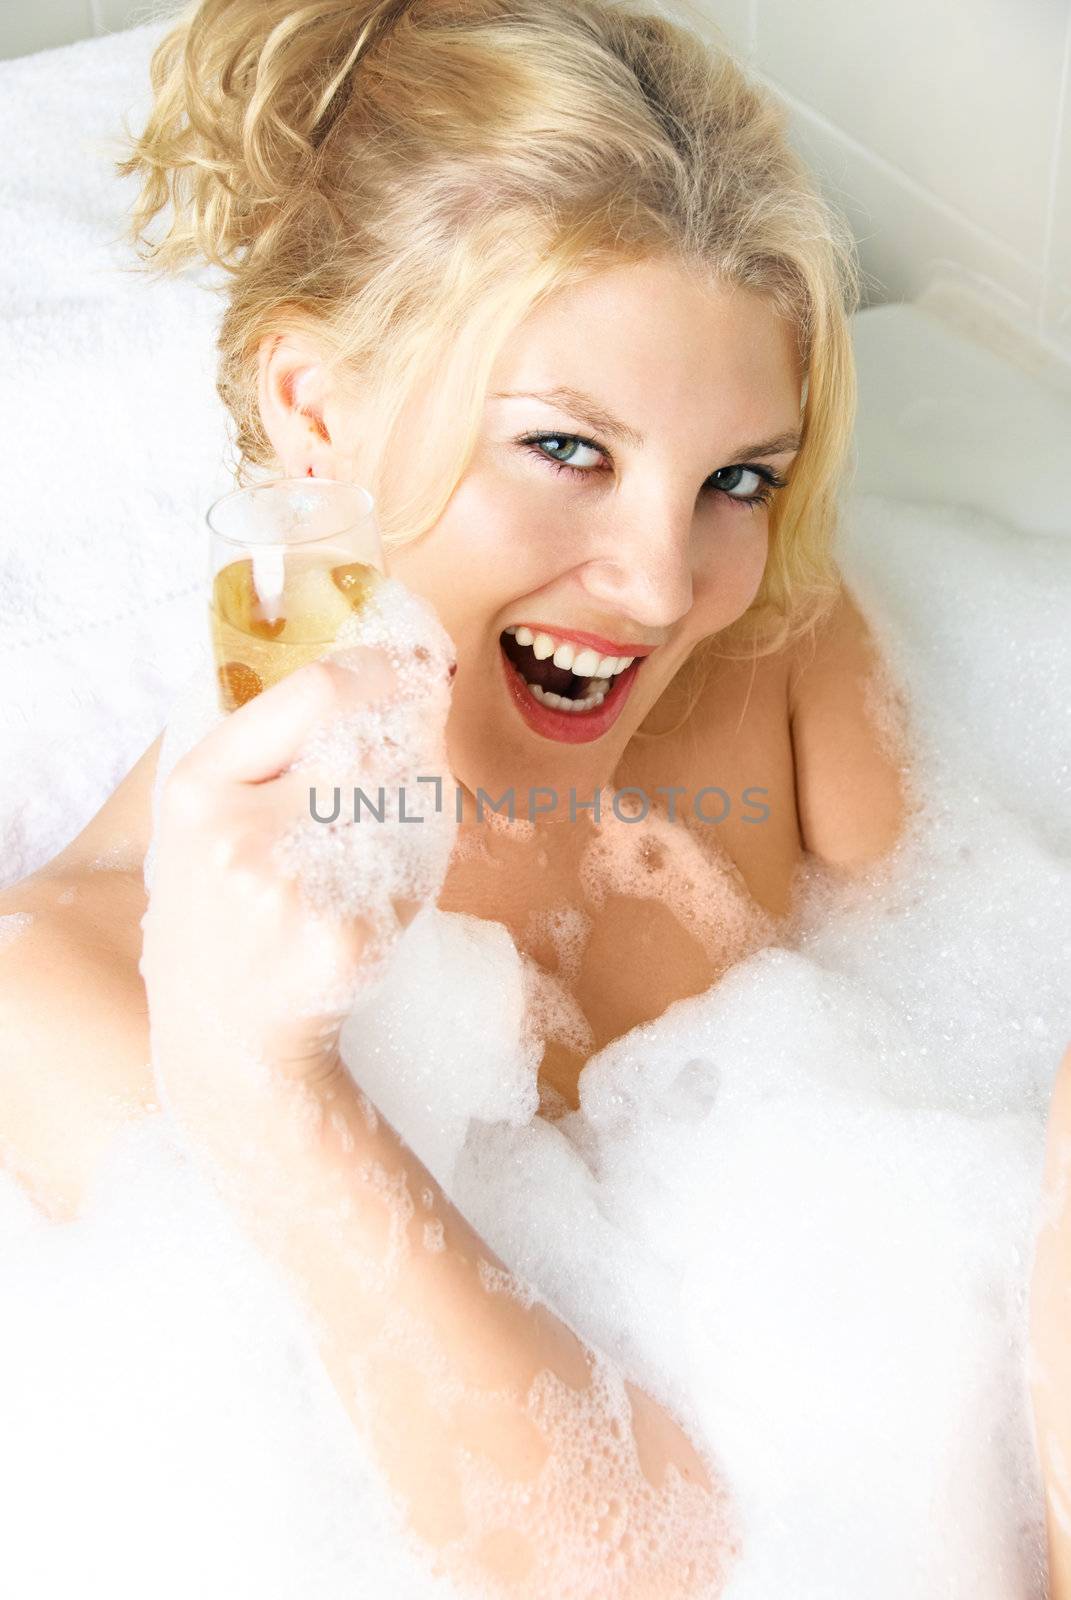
{"type": "Point", "coordinates": [588, 410]}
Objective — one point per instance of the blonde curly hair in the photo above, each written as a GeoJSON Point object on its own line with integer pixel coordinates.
{"type": "Point", "coordinates": [407, 179]}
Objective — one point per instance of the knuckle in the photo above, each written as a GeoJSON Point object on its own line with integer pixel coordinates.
{"type": "Point", "coordinates": [225, 850]}
{"type": "Point", "coordinates": [321, 682]}
{"type": "Point", "coordinates": [240, 849]}
{"type": "Point", "coordinates": [255, 888]}
{"type": "Point", "coordinates": [275, 897]}
{"type": "Point", "coordinates": [366, 666]}
{"type": "Point", "coordinates": [183, 796]}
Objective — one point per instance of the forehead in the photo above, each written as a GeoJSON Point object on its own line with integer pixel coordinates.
{"type": "Point", "coordinates": [650, 338]}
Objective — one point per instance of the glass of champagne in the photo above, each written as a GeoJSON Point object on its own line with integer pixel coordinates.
{"type": "Point", "coordinates": [292, 560]}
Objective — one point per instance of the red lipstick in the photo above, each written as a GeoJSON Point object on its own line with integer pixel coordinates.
{"type": "Point", "coordinates": [569, 727]}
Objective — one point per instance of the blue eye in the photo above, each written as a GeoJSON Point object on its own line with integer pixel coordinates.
{"type": "Point", "coordinates": [559, 450]}
{"type": "Point", "coordinates": [546, 444]}
{"type": "Point", "coordinates": [756, 496]}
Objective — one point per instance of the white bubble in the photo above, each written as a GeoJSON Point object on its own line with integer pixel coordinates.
{"type": "Point", "coordinates": [797, 1209]}
{"type": "Point", "coordinates": [389, 835]}
{"type": "Point", "coordinates": [13, 925]}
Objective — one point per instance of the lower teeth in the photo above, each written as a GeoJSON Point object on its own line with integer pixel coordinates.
{"type": "Point", "coordinates": [558, 702]}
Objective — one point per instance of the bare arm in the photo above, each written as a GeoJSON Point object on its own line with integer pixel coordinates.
{"type": "Point", "coordinates": [517, 1455]}
{"type": "Point", "coordinates": [73, 1016]}
{"type": "Point", "coordinates": [454, 1380]}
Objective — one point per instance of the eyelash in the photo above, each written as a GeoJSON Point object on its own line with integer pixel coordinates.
{"type": "Point", "coordinates": [772, 479]}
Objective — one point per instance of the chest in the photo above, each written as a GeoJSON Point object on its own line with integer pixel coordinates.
{"type": "Point", "coordinates": [690, 871]}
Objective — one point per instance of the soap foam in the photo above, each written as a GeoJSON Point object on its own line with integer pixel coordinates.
{"type": "Point", "coordinates": [168, 1423]}
{"type": "Point", "coordinates": [569, 1508]}
{"type": "Point", "coordinates": [654, 858]}
{"type": "Point", "coordinates": [566, 929]}
{"type": "Point", "coordinates": [361, 864]}
{"type": "Point", "coordinates": [798, 1209]}
{"type": "Point", "coordinates": [801, 1206]}
{"type": "Point", "coordinates": [13, 925]}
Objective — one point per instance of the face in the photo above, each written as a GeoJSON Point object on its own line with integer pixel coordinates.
{"type": "Point", "coordinates": [615, 508]}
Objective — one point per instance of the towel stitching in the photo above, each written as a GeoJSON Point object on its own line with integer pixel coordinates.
{"type": "Point", "coordinates": [102, 622]}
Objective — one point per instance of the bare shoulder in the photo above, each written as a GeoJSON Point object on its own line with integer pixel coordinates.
{"type": "Point", "coordinates": [73, 1013]}
{"type": "Point", "coordinates": [847, 741]}
{"type": "Point", "coordinates": [1050, 1350]}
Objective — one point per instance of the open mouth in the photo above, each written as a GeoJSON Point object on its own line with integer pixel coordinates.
{"type": "Point", "coordinates": [566, 678]}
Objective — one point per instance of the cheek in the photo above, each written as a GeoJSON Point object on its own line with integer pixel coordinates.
{"type": "Point", "coordinates": [490, 544]}
{"type": "Point", "coordinates": [728, 578]}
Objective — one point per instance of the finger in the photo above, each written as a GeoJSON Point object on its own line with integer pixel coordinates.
{"type": "Point", "coordinates": [263, 737]}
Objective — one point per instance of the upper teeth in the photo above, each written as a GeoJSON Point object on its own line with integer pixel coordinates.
{"type": "Point", "coordinates": [584, 662]}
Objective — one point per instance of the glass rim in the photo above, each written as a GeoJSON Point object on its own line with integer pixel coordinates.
{"type": "Point", "coordinates": [244, 543]}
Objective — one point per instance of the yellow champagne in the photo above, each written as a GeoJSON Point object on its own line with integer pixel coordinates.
{"type": "Point", "coordinates": [263, 629]}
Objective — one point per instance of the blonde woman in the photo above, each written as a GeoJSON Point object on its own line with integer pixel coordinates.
{"type": "Point", "coordinates": [547, 278]}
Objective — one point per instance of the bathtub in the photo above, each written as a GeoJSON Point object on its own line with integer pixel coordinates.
{"type": "Point", "coordinates": [855, 1362]}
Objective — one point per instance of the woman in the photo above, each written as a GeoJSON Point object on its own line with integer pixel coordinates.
{"type": "Point", "coordinates": [548, 279]}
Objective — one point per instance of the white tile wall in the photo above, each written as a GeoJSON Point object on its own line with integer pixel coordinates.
{"type": "Point", "coordinates": [114, 14]}
{"type": "Point", "coordinates": [943, 130]}
{"type": "Point", "coordinates": [958, 94]}
{"type": "Point", "coordinates": [29, 25]}
{"type": "Point", "coordinates": [941, 127]}
{"type": "Point", "coordinates": [25, 26]}
{"type": "Point", "coordinates": [735, 18]}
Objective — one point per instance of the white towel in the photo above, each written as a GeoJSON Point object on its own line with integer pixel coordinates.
{"type": "Point", "coordinates": [116, 443]}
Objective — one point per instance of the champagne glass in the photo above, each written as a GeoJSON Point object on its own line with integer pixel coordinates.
{"type": "Point", "coordinates": [292, 560]}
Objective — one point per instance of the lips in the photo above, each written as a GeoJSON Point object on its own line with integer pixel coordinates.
{"type": "Point", "coordinates": [568, 727]}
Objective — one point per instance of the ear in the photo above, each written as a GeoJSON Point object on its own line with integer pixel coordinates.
{"type": "Point", "coordinates": [294, 398]}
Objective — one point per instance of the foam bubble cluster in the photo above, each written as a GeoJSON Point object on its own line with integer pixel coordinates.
{"type": "Point", "coordinates": [798, 1209]}
{"type": "Point", "coordinates": [801, 1206]}
{"type": "Point", "coordinates": [575, 1505]}
{"type": "Point", "coordinates": [381, 828]}
{"type": "Point", "coordinates": [656, 859]}
{"type": "Point", "coordinates": [391, 843]}
{"type": "Point", "coordinates": [162, 1396]}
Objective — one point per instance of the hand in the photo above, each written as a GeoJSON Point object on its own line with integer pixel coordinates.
{"type": "Point", "coordinates": [243, 968]}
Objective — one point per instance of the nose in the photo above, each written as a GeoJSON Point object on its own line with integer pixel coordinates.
{"type": "Point", "coordinates": [641, 565]}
